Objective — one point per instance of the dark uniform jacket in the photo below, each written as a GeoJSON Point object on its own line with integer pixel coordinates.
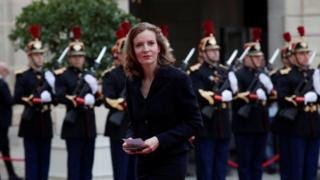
{"type": "Point", "coordinates": [306, 122]}
{"type": "Point", "coordinates": [257, 121]}
{"type": "Point", "coordinates": [170, 111]}
{"type": "Point", "coordinates": [84, 125]}
{"type": "Point", "coordinates": [36, 120]}
{"type": "Point", "coordinates": [219, 124]}
{"type": "Point", "coordinates": [280, 125]}
{"type": "Point", "coordinates": [6, 102]}
{"type": "Point", "coordinates": [114, 87]}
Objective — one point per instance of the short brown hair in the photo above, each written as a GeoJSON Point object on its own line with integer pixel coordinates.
{"type": "Point", "coordinates": [132, 66]}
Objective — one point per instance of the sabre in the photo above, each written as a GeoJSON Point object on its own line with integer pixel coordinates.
{"type": "Point", "coordinates": [245, 52]}
{"type": "Point", "coordinates": [232, 57]}
{"type": "Point", "coordinates": [97, 62]}
{"type": "Point", "coordinates": [274, 56]}
{"type": "Point", "coordinates": [49, 74]}
{"type": "Point", "coordinates": [64, 53]}
{"type": "Point", "coordinates": [191, 52]}
{"type": "Point", "coordinates": [101, 54]}
{"type": "Point", "coordinates": [312, 57]}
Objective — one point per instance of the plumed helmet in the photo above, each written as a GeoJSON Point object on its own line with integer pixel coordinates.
{"type": "Point", "coordinates": [286, 50]}
{"type": "Point", "coordinates": [76, 47]}
{"type": "Point", "coordinates": [35, 45]}
{"type": "Point", "coordinates": [255, 47]}
{"type": "Point", "coordinates": [300, 45]}
{"type": "Point", "coordinates": [121, 37]}
{"type": "Point", "coordinates": [209, 41]}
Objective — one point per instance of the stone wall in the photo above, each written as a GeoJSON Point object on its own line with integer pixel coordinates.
{"type": "Point", "coordinates": [287, 15]}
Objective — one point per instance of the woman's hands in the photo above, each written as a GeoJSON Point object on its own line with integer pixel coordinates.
{"type": "Point", "coordinates": [148, 146]}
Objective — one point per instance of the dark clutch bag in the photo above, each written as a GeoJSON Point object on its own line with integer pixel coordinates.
{"type": "Point", "coordinates": [27, 114]}
{"type": "Point", "coordinates": [71, 117]}
{"type": "Point", "coordinates": [208, 111]}
{"type": "Point", "coordinates": [116, 118]}
{"type": "Point", "coordinates": [245, 111]}
{"type": "Point", "coordinates": [288, 113]}
{"type": "Point", "coordinates": [136, 144]}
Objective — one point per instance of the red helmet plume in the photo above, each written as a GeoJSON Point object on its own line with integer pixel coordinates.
{"type": "Point", "coordinates": [287, 37]}
{"type": "Point", "coordinates": [208, 28]}
{"type": "Point", "coordinates": [125, 26]}
{"type": "Point", "coordinates": [76, 32]}
{"type": "Point", "coordinates": [120, 34]}
{"type": "Point", "coordinates": [256, 33]}
{"type": "Point", "coordinates": [165, 30]}
{"type": "Point", "coordinates": [301, 30]}
{"type": "Point", "coordinates": [35, 31]}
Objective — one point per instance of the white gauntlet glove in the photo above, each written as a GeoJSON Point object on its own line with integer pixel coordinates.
{"type": "Point", "coordinates": [261, 95]}
{"type": "Point", "coordinates": [226, 96]}
{"type": "Point", "coordinates": [266, 82]}
{"type": "Point", "coordinates": [310, 97]}
{"type": "Point", "coordinates": [233, 82]}
{"type": "Point", "coordinates": [89, 99]}
{"type": "Point", "coordinates": [45, 97]}
{"type": "Point", "coordinates": [92, 82]}
{"type": "Point", "coordinates": [316, 81]}
{"type": "Point", "coordinates": [51, 79]}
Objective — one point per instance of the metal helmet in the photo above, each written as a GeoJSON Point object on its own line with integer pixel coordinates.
{"type": "Point", "coordinates": [255, 47]}
{"type": "Point", "coordinates": [121, 37]}
{"type": "Point", "coordinates": [76, 47]}
{"type": "Point", "coordinates": [286, 50]}
{"type": "Point", "coordinates": [209, 41]}
{"type": "Point", "coordinates": [35, 46]}
{"type": "Point", "coordinates": [300, 45]}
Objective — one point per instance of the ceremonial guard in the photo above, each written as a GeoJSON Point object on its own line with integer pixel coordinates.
{"type": "Point", "coordinates": [212, 143]}
{"type": "Point", "coordinates": [113, 87]}
{"type": "Point", "coordinates": [250, 125]}
{"type": "Point", "coordinates": [33, 89]}
{"type": "Point", "coordinates": [281, 127]}
{"type": "Point", "coordinates": [76, 89]}
{"type": "Point", "coordinates": [6, 103]}
{"type": "Point", "coordinates": [298, 106]}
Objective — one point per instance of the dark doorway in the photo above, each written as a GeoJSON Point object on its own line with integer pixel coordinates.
{"type": "Point", "coordinates": [181, 16]}
{"type": "Point", "coordinates": [256, 15]}
{"type": "Point", "coordinates": [232, 19]}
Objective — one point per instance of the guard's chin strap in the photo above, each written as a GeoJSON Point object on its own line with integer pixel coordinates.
{"type": "Point", "coordinates": [207, 56]}
{"type": "Point", "coordinates": [299, 64]}
{"type": "Point", "coordinates": [289, 63]}
{"type": "Point", "coordinates": [254, 64]}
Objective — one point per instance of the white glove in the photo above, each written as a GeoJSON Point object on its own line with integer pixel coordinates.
{"type": "Point", "coordinates": [89, 99]}
{"type": "Point", "coordinates": [316, 81]}
{"type": "Point", "coordinates": [45, 97]}
{"type": "Point", "coordinates": [233, 82]}
{"type": "Point", "coordinates": [92, 82]}
{"type": "Point", "coordinates": [310, 97]}
{"type": "Point", "coordinates": [273, 110]}
{"type": "Point", "coordinates": [51, 79]}
{"type": "Point", "coordinates": [226, 96]}
{"type": "Point", "coordinates": [261, 94]}
{"type": "Point", "coordinates": [266, 82]}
